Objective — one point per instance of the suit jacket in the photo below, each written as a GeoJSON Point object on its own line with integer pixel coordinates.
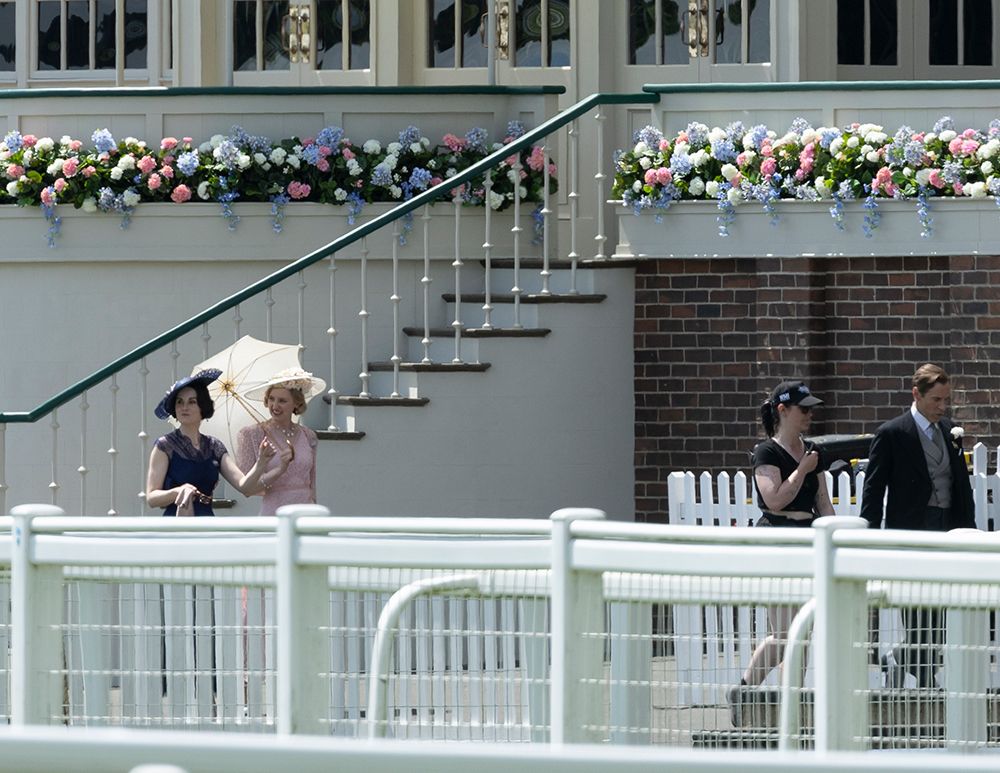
{"type": "Point", "coordinates": [896, 461]}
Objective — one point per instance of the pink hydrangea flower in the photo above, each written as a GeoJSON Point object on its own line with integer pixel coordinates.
{"type": "Point", "coordinates": [48, 196]}
{"type": "Point", "coordinates": [89, 171]}
{"type": "Point", "coordinates": [75, 145]}
{"type": "Point", "coordinates": [180, 194]}
{"type": "Point", "coordinates": [453, 143]}
{"type": "Point", "coordinates": [664, 144]}
{"type": "Point", "coordinates": [435, 181]}
{"type": "Point", "coordinates": [14, 171]}
{"type": "Point", "coordinates": [146, 164]}
{"type": "Point", "coordinates": [536, 160]}
{"type": "Point", "coordinates": [935, 179]}
{"type": "Point", "coordinates": [347, 153]}
{"type": "Point", "coordinates": [154, 181]}
{"type": "Point", "coordinates": [70, 166]}
{"type": "Point", "coordinates": [969, 147]}
{"type": "Point", "coordinates": [187, 140]}
{"type": "Point", "coordinates": [168, 143]}
{"type": "Point", "coordinates": [29, 140]}
{"type": "Point", "coordinates": [663, 176]}
{"type": "Point", "coordinates": [650, 177]}
{"type": "Point", "coordinates": [323, 165]}
{"type": "Point", "coordinates": [768, 167]}
{"type": "Point", "coordinates": [298, 190]}
{"type": "Point", "coordinates": [59, 185]}
{"type": "Point", "coordinates": [167, 171]}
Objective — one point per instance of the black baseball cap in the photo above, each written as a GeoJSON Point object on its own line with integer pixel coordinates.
{"type": "Point", "coordinates": [794, 393]}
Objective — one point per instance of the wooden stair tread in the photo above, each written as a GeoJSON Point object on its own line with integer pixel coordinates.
{"type": "Point", "coordinates": [480, 332]}
{"type": "Point", "coordinates": [340, 434]}
{"type": "Point", "coordinates": [398, 402]}
{"type": "Point", "coordinates": [529, 298]}
{"type": "Point", "coordinates": [562, 264]}
{"type": "Point", "coordinates": [432, 367]}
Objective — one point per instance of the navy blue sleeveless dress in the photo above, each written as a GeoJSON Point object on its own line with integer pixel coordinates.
{"type": "Point", "coordinates": [187, 465]}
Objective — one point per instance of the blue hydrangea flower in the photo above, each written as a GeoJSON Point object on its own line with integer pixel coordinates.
{"type": "Point", "coordinates": [951, 172]}
{"type": "Point", "coordinates": [311, 154]}
{"type": "Point", "coordinates": [515, 129]}
{"type": "Point", "coordinates": [330, 137]}
{"type": "Point", "coordinates": [649, 135]}
{"type": "Point", "coordinates": [476, 139]}
{"type": "Point", "coordinates": [757, 134]}
{"type": "Point", "coordinates": [724, 150]}
{"type": "Point", "coordinates": [735, 132]}
{"type": "Point", "coordinates": [420, 179]}
{"type": "Point", "coordinates": [943, 123]}
{"type": "Point", "coordinates": [408, 136]}
{"type": "Point", "coordinates": [241, 138]}
{"type": "Point", "coordinates": [382, 175]}
{"type": "Point", "coordinates": [827, 136]}
{"type": "Point", "coordinates": [697, 134]}
{"type": "Point", "coordinates": [187, 163]}
{"type": "Point", "coordinates": [800, 125]}
{"type": "Point", "coordinates": [680, 164]}
{"type": "Point", "coordinates": [103, 141]}
{"type": "Point", "coordinates": [227, 154]}
{"type": "Point", "coordinates": [14, 141]}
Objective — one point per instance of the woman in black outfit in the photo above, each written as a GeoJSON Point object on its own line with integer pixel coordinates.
{"type": "Point", "coordinates": [791, 492]}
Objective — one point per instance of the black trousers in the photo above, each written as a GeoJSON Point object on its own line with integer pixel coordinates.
{"type": "Point", "coordinates": [921, 654]}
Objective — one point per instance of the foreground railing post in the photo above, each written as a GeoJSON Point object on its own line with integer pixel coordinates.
{"type": "Point", "coordinates": [577, 637]}
{"type": "Point", "coordinates": [303, 600]}
{"type": "Point", "coordinates": [36, 619]}
{"type": "Point", "coordinates": [841, 708]}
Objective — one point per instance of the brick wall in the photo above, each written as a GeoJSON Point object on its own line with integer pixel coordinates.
{"type": "Point", "coordinates": [713, 337]}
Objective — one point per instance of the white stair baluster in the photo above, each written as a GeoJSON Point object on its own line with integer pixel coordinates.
{"type": "Point", "coordinates": [82, 469]}
{"type": "Point", "coordinates": [113, 450]}
{"type": "Point", "coordinates": [142, 435]}
{"type": "Point", "coordinates": [425, 282]}
{"type": "Point", "coordinates": [237, 321]}
{"type": "Point", "coordinates": [394, 299]}
{"type": "Point", "coordinates": [269, 314]}
{"type": "Point", "coordinates": [516, 232]}
{"type": "Point", "coordinates": [573, 196]}
{"type": "Point", "coordinates": [599, 177]}
{"type": "Point", "coordinates": [364, 375]}
{"type": "Point", "coordinates": [488, 251]}
{"type": "Point", "coordinates": [331, 333]}
{"type": "Point", "coordinates": [457, 264]}
{"type": "Point", "coordinates": [546, 273]}
{"type": "Point", "coordinates": [54, 483]}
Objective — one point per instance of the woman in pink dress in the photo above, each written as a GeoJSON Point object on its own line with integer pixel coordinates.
{"type": "Point", "coordinates": [290, 477]}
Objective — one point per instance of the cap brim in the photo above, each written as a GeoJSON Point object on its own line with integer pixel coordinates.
{"type": "Point", "coordinates": [809, 400]}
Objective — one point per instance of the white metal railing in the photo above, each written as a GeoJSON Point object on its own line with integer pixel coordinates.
{"type": "Point", "coordinates": [491, 630]}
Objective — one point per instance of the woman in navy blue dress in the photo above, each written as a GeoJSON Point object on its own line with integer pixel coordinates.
{"type": "Point", "coordinates": [185, 465]}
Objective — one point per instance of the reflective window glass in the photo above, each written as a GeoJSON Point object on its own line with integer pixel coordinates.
{"type": "Point", "coordinates": [884, 32]}
{"type": "Point", "coordinates": [78, 35]}
{"type": "Point", "coordinates": [977, 21]}
{"type": "Point", "coordinates": [850, 31]}
{"type": "Point", "coordinates": [7, 39]}
{"type": "Point", "coordinates": [104, 35]}
{"type": "Point", "coordinates": [245, 36]}
{"type": "Point", "coordinates": [49, 29]}
{"type": "Point", "coordinates": [942, 43]}
{"type": "Point", "coordinates": [136, 33]}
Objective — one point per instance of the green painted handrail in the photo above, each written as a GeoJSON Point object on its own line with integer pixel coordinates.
{"type": "Point", "coordinates": [758, 88]}
{"type": "Point", "coordinates": [233, 91]}
{"type": "Point", "coordinates": [427, 197]}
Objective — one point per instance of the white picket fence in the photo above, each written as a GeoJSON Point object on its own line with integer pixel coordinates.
{"type": "Point", "coordinates": [727, 501]}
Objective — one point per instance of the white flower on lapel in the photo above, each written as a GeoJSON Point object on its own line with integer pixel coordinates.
{"type": "Point", "coordinates": [957, 433]}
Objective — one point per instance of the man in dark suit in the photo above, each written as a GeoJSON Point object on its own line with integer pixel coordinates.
{"type": "Point", "coordinates": [919, 459]}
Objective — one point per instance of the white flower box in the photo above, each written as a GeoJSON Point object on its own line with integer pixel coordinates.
{"type": "Point", "coordinates": [198, 232]}
{"type": "Point", "coordinates": [691, 229]}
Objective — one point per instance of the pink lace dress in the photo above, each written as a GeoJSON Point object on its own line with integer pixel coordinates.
{"type": "Point", "coordinates": [297, 485]}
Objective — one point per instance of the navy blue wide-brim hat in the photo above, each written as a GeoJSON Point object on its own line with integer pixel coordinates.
{"type": "Point", "coordinates": [205, 377]}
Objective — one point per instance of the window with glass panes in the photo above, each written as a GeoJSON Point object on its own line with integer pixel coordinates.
{"type": "Point", "coordinates": [538, 33]}
{"type": "Point", "coordinates": [82, 34]}
{"type": "Point", "coordinates": [326, 34]}
{"type": "Point", "coordinates": [7, 37]}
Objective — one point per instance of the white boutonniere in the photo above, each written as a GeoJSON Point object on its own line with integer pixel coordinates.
{"type": "Point", "coordinates": [957, 433]}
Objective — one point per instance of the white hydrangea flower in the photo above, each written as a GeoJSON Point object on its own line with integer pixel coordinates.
{"type": "Point", "coordinates": [497, 199]}
{"type": "Point", "coordinates": [424, 142]}
{"type": "Point", "coordinates": [130, 198]}
{"type": "Point", "coordinates": [395, 191]}
{"type": "Point", "coordinates": [735, 196]}
{"type": "Point", "coordinates": [699, 158]}
{"type": "Point", "coordinates": [353, 167]}
{"type": "Point", "coordinates": [512, 175]}
{"type": "Point", "coordinates": [65, 140]}
{"type": "Point", "coordinates": [976, 190]}
{"type": "Point", "coordinates": [986, 167]}
{"type": "Point", "coordinates": [44, 145]}
{"type": "Point", "coordinates": [391, 160]}
{"type": "Point", "coordinates": [923, 176]}
{"type": "Point", "coordinates": [748, 141]}
{"type": "Point", "coordinates": [729, 171]}
{"type": "Point", "coordinates": [278, 156]}
{"type": "Point", "coordinates": [203, 190]}
{"type": "Point", "coordinates": [340, 194]}
{"type": "Point", "coordinates": [696, 186]}
{"type": "Point", "coordinates": [871, 157]}
{"type": "Point", "coordinates": [55, 167]}
{"type": "Point", "coordinates": [821, 189]}
{"type": "Point", "coordinates": [716, 134]}
{"type": "Point", "coordinates": [215, 141]}
{"type": "Point", "coordinates": [929, 138]}
{"type": "Point", "coordinates": [712, 188]}
{"type": "Point", "coordinates": [853, 142]}
{"type": "Point", "coordinates": [5, 153]}
{"type": "Point", "coordinates": [636, 186]}
{"type": "Point", "coordinates": [89, 204]}
{"type": "Point", "coordinates": [641, 148]}
{"type": "Point", "coordinates": [416, 147]}
{"type": "Point", "coordinates": [372, 147]}
{"type": "Point", "coordinates": [810, 135]}
{"type": "Point", "coordinates": [116, 173]}
{"type": "Point", "coordinates": [126, 162]}
{"type": "Point", "coordinates": [947, 136]}
{"type": "Point", "coordinates": [645, 162]}
{"type": "Point", "coordinates": [12, 188]}
{"type": "Point", "coordinates": [27, 157]}
{"type": "Point", "coordinates": [683, 147]}
{"type": "Point", "coordinates": [867, 128]}
{"type": "Point", "coordinates": [293, 162]}
{"type": "Point", "coordinates": [836, 145]}
{"type": "Point", "coordinates": [749, 156]}
{"type": "Point", "coordinates": [259, 159]}
{"type": "Point", "coordinates": [988, 149]}
{"type": "Point", "coordinates": [243, 161]}
{"type": "Point", "coordinates": [393, 147]}
{"type": "Point", "coordinates": [875, 138]}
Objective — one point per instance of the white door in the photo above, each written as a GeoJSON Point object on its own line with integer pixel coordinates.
{"type": "Point", "coordinates": [698, 41]}
{"type": "Point", "coordinates": [301, 42]}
